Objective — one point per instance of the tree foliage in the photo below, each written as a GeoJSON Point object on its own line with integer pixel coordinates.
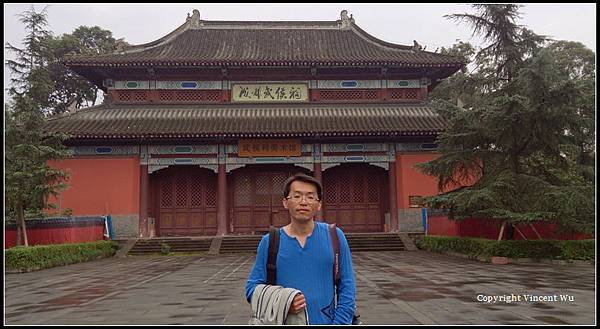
{"type": "Point", "coordinates": [523, 130]}
{"type": "Point", "coordinates": [29, 180]}
{"type": "Point", "coordinates": [72, 89]}
{"type": "Point", "coordinates": [42, 86]}
{"type": "Point", "coordinates": [38, 67]}
{"type": "Point", "coordinates": [34, 53]}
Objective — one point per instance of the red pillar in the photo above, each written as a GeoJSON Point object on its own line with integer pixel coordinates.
{"type": "Point", "coordinates": [222, 201]}
{"type": "Point", "coordinates": [319, 176]}
{"type": "Point", "coordinates": [393, 198]}
{"type": "Point", "coordinates": [144, 187]}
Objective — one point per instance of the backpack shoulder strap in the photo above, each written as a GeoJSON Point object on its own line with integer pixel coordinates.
{"type": "Point", "coordinates": [335, 242]}
{"type": "Point", "coordinates": [272, 258]}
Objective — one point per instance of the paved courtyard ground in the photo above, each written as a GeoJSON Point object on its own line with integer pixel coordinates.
{"type": "Point", "coordinates": [408, 287]}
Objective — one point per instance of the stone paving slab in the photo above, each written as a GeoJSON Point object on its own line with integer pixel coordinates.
{"type": "Point", "coordinates": [406, 287]}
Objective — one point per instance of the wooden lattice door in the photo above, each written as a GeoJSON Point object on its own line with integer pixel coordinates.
{"type": "Point", "coordinates": [354, 197]}
{"type": "Point", "coordinates": [186, 201]}
{"type": "Point", "coordinates": [257, 193]}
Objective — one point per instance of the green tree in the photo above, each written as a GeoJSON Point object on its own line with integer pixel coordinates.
{"type": "Point", "coordinates": [514, 133]}
{"type": "Point", "coordinates": [29, 180]}
{"type": "Point", "coordinates": [28, 67]}
{"type": "Point", "coordinates": [457, 88]}
{"type": "Point", "coordinates": [576, 62]}
{"type": "Point", "coordinates": [56, 88]}
{"type": "Point", "coordinates": [509, 42]}
{"type": "Point", "coordinates": [70, 88]}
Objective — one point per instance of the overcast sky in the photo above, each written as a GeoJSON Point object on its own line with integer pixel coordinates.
{"type": "Point", "coordinates": [396, 23]}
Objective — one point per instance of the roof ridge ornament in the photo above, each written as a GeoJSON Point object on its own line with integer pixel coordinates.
{"type": "Point", "coordinates": [194, 21]}
{"type": "Point", "coordinates": [346, 21]}
{"type": "Point", "coordinates": [417, 46]}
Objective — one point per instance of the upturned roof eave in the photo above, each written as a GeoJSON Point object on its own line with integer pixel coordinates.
{"type": "Point", "coordinates": [195, 23]}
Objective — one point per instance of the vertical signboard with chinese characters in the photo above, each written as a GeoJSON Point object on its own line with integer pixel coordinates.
{"type": "Point", "coordinates": [269, 147]}
{"type": "Point", "coordinates": [269, 92]}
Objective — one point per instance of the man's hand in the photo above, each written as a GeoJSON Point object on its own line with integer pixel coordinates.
{"type": "Point", "coordinates": [298, 304]}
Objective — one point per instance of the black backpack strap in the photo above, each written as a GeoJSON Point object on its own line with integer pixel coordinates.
{"type": "Point", "coordinates": [335, 242]}
{"type": "Point", "coordinates": [272, 258]}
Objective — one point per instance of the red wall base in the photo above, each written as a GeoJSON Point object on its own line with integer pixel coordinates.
{"type": "Point", "coordinates": [490, 228]}
{"type": "Point", "coordinates": [56, 235]}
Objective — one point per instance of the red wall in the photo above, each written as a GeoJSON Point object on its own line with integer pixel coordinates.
{"type": "Point", "coordinates": [441, 225]}
{"type": "Point", "coordinates": [410, 181]}
{"type": "Point", "coordinates": [489, 229]}
{"type": "Point", "coordinates": [56, 235]}
{"type": "Point", "coordinates": [100, 186]}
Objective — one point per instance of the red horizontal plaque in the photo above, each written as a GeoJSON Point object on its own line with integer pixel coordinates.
{"type": "Point", "coordinates": [269, 147]}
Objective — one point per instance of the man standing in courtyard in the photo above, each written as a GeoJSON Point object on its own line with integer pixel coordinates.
{"type": "Point", "coordinates": [305, 258]}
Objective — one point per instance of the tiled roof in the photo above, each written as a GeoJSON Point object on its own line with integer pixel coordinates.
{"type": "Point", "coordinates": [251, 120]}
{"type": "Point", "coordinates": [215, 43]}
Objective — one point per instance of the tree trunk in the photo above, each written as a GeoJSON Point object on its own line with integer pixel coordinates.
{"type": "Point", "coordinates": [21, 230]}
{"type": "Point", "coordinates": [536, 232]}
{"type": "Point", "coordinates": [521, 233]}
{"type": "Point", "coordinates": [18, 232]}
{"type": "Point", "coordinates": [501, 231]}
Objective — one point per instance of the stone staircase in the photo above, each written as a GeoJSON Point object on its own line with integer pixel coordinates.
{"type": "Point", "coordinates": [374, 242]}
{"type": "Point", "coordinates": [184, 244]}
{"type": "Point", "coordinates": [241, 243]}
{"type": "Point", "coordinates": [249, 243]}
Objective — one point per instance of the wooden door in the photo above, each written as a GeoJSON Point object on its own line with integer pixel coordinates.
{"type": "Point", "coordinates": [185, 200]}
{"type": "Point", "coordinates": [355, 197]}
{"type": "Point", "coordinates": [257, 194]}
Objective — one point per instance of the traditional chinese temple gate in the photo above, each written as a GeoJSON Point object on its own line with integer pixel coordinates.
{"type": "Point", "coordinates": [198, 131]}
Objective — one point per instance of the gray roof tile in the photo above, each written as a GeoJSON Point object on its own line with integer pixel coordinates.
{"type": "Point", "coordinates": [251, 120]}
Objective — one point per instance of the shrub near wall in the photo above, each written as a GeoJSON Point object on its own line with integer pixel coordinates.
{"type": "Point", "coordinates": [535, 249]}
{"type": "Point", "coordinates": [26, 259]}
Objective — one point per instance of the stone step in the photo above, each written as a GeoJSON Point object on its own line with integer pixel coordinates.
{"type": "Point", "coordinates": [249, 243]}
{"type": "Point", "coordinates": [176, 244]}
{"type": "Point", "coordinates": [198, 247]}
{"type": "Point", "coordinates": [239, 244]}
{"type": "Point", "coordinates": [241, 240]}
{"type": "Point", "coordinates": [377, 249]}
{"type": "Point", "coordinates": [150, 251]}
{"type": "Point", "coordinates": [158, 243]}
{"type": "Point", "coordinates": [375, 242]}
{"type": "Point", "coordinates": [171, 247]}
{"type": "Point", "coordinates": [378, 243]}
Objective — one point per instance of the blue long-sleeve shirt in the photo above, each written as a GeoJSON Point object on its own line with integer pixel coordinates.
{"type": "Point", "coordinates": [310, 270]}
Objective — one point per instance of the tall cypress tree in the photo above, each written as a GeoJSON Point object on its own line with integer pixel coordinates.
{"type": "Point", "coordinates": [28, 177]}
{"type": "Point", "coordinates": [511, 137]}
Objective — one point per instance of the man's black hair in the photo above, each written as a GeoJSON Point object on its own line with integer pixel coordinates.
{"type": "Point", "coordinates": [303, 178]}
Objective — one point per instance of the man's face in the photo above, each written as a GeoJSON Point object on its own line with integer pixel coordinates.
{"type": "Point", "coordinates": [302, 202]}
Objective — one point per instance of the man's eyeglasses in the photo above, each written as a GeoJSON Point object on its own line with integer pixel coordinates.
{"type": "Point", "coordinates": [297, 198]}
